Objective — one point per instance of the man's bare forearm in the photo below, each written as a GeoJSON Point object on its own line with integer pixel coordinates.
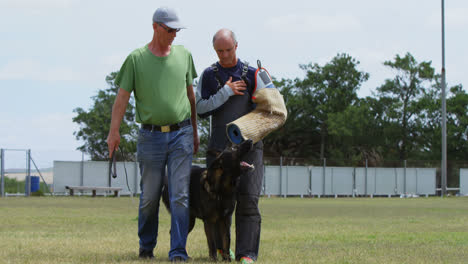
{"type": "Point", "coordinates": [118, 111]}
{"type": "Point", "coordinates": [193, 117]}
{"type": "Point", "coordinates": [193, 108]}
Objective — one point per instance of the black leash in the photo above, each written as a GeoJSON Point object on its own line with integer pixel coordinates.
{"type": "Point", "coordinates": [113, 167]}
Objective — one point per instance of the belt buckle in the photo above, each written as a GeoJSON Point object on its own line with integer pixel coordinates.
{"type": "Point", "coordinates": [165, 129]}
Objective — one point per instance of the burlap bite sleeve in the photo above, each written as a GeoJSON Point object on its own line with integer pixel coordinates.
{"type": "Point", "coordinates": [269, 115]}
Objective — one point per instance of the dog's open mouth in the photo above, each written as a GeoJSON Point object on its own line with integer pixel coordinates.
{"type": "Point", "coordinates": [246, 165]}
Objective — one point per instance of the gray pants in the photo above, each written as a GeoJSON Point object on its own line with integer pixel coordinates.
{"type": "Point", "coordinates": [248, 219]}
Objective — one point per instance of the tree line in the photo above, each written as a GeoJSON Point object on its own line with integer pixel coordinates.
{"type": "Point", "coordinates": [401, 120]}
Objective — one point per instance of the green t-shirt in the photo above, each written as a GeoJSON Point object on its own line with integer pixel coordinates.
{"type": "Point", "coordinates": [159, 84]}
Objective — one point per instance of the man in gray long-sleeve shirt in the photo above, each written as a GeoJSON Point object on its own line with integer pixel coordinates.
{"type": "Point", "coordinates": [224, 92]}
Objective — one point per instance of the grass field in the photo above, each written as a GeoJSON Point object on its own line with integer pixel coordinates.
{"type": "Point", "coordinates": [294, 230]}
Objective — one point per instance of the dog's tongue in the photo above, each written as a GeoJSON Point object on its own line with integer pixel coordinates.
{"type": "Point", "coordinates": [246, 165]}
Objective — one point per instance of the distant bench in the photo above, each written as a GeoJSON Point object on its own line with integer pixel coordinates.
{"type": "Point", "coordinates": [94, 189]}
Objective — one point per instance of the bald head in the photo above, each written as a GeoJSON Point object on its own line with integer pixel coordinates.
{"type": "Point", "coordinates": [225, 34]}
{"type": "Point", "coordinates": [225, 45]}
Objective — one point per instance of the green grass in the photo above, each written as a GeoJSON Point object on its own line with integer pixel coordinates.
{"type": "Point", "coordinates": [294, 230]}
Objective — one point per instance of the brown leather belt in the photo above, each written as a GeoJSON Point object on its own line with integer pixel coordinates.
{"type": "Point", "coordinates": [167, 128]}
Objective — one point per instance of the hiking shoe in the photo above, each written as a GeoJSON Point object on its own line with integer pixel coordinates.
{"type": "Point", "coordinates": [146, 254]}
{"type": "Point", "coordinates": [246, 260]}
{"type": "Point", "coordinates": [231, 254]}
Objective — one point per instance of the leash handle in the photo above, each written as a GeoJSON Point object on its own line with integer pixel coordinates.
{"type": "Point", "coordinates": [112, 163]}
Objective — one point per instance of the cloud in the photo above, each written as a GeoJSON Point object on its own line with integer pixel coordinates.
{"type": "Point", "coordinates": [296, 23]}
{"type": "Point", "coordinates": [455, 18]}
{"type": "Point", "coordinates": [35, 4]}
{"type": "Point", "coordinates": [44, 130]}
{"type": "Point", "coordinates": [28, 69]}
{"type": "Point", "coordinates": [49, 136]}
{"type": "Point", "coordinates": [112, 62]}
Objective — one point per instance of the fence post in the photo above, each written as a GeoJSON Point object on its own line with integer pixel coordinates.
{"type": "Point", "coordinates": [264, 178]}
{"type": "Point", "coordinates": [287, 183]}
{"type": "Point", "coordinates": [417, 182]}
{"type": "Point", "coordinates": [323, 175]}
{"type": "Point", "coordinates": [135, 182]}
{"type": "Point", "coordinates": [365, 179]}
{"type": "Point", "coordinates": [2, 171]}
{"type": "Point", "coordinates": [332, 183]}
{"type": "Point", "coordinates": [354, 191]}
{"type": "Point", "coordinates": [375, 181]}
{"type": "Point", "coordinates": [281, 175]}
{"type": "Point", "coordinates": [404, 178]}
{"type": "Point", "coordinates": [109, 177]}
{"type": "Point", "coordinates": [28, 173]}
{"type": "Point", "coordinates": [82, 170]}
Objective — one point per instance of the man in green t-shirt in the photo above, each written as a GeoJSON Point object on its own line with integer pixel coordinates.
{"type": "Point", "coordinates": [160, 75]}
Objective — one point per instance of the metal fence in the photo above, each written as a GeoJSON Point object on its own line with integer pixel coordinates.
{"type": "Point", "coordinates": [24, 177]}
{"type": "Point", "coordinates": [278, 180]}
{"type": "Point", "coordinates": [464, 181]}
{"type": "Point", "coordinates": [96, 173]}
{"type": "Point", "coordinates": [348, 181]}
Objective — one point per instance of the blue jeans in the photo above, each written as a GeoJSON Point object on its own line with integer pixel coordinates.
{"type": "Point", "coordinates": [155, 151]}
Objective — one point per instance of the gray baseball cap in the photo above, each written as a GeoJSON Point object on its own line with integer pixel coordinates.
{"type": "Point", "coordinates": [167, 16]}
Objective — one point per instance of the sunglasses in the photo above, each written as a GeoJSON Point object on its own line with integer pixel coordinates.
{"type": "Point", "coordinates": [168, 29]}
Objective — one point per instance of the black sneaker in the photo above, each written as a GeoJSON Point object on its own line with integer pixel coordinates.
{"type": "Point", "coordinates": [145, 254]}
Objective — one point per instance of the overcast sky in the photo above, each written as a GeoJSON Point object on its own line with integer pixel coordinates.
{"type": "Point", "coordinates": [55, 54]}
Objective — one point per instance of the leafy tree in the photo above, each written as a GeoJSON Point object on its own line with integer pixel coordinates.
{"type": "Point", "coordinates": [357, 133]}
{"type": "Point", "coordinates": [329, 89]}
{"type": "Point", "coordinates": [94, 125]}
{"type": "Point", "coordinates": [400, 97]}
{"type": "Point", "coordinates": [429, 119]}
{"type": "Point", "coordinates": [457, 124]}
{"type": "Point", "coordinates": [203, 125]}
{"type": "Point", "coordinates": [325, 90]}
{"type": "Point", "coordinates": [430, 143]}
{"type": "Point", "coordinates": [298, 137]}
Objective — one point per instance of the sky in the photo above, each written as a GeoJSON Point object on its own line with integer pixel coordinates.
{"type": "Point", "coordinates": [55, 54]}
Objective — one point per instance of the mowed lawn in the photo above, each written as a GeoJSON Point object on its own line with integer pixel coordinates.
{"type": "Point", "coordinates": [294, 230]}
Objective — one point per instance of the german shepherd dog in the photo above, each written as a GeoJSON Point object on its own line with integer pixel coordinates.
{"type": "Point", "coordinates": [213, 196]}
